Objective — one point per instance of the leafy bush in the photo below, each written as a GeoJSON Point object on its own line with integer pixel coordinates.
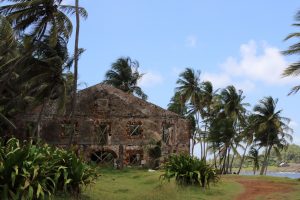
{"type": "Point", "coordinates": [30, 171]}
{"type": "Point", "coordinates": [189, 170]}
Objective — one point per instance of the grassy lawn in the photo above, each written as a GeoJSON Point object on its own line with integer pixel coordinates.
{"type": "Point", "coordinates": [140, 184]}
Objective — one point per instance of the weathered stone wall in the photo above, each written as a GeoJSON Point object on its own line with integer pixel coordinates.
{"type": "Point", "coordinates": [105, 108]}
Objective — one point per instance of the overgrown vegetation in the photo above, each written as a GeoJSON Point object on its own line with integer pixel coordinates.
{"type": "Point", "coordinates": [222, 124]}
{"type": "Point", "coordinates": [29, 171]}
{"type": "Point", "coordinates": [188, 170]}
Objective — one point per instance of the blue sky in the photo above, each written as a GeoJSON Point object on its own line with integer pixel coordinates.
{"type": "Point", "coordinates": [230, 41]}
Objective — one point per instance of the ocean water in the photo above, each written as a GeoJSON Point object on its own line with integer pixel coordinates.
{"type": "Point", "coordinates": [293, 175]}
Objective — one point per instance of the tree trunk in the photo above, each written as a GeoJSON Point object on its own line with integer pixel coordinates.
{"type": "Point", "coordinates": [233, 156]}
{"type": "Point", "coordinates": [224, 163]}
{"type": "Point", "coordinates": [263, 167]}
{"type": "Point", "coordinates": [243, 158]}
{"type": "Point", "coordinates": [36, 127]}
{"type": "Point", "coordinates": [215, 158]}
{"type": "Point", "coordinates": [76, 58]}
{"type": "Point", "coordinates": [228, 158]}
{"type": "Point", "coordinates": [231, 162]}
{"type": "Point", "coordinates": [193, 145]}
{"type": "Point", "coordinates": [204, 141]}
{"type": "Point", "coordinates": [268, 157]}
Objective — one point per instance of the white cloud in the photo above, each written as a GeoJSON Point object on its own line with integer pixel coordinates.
{"type": "Point", "coordinates": [222, 80]}
{"type": "Point", "coordinates": [191, 41]}
{"type": "Point", "coordinates": [266, 66]}
{"type": "Point", "coordinates": [67, 2]}
{"type": "Point", "coordinates": [151, 79]}
{"type": "Point", "coordinates": [218, 80]}
{"type": "Point", "coordinates": [258, 63]}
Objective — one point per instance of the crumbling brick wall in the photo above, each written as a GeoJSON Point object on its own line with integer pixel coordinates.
{"type": "Point", "coordinates": [107, 118]}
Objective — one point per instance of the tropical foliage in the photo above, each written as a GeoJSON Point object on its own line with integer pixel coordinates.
{"type": "Point", "coordinates": [222, 124]}
{"type": "Point", "coordinates": [294, 68]}
{"type": "Point", "coordinates": [124, 75]}
{"type": "Point", "coordinates": [188, 170]}
{"type": "Point", "coordinates": [29, 171]}
{"type": "Point", "coordinates": [34, 60]}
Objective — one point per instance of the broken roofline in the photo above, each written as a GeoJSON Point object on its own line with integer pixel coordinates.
{"type": "Point", "coordinates": [130, 99]}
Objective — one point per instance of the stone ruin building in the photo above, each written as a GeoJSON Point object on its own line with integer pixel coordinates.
{"type": "Point", "coordinates": [112, 125]}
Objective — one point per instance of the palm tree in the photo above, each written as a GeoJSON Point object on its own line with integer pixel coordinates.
{"type": "Point", "coordinates": [40, 17]}
{"type": "Point", "coordinates": [234, 108]}
{"type": "Point", "coordinates": [124, 75]}
{"type": "Point", "coordinates": [176, 105]}
{"type": "Point", "coordinates": [44, 75]}
{"type": "Point", "coordinates": [76, 53]}
{"type": "Point", "coordinates": [254, 157]}
{"type": "Point", "coordinates": [233, 103]}
{"type": "Point", "coordinates": [208, 99]}
{"type": "Point", "coordinates": [247, 136]}
{"type": "Point", "coordinates": [293, 69]}
{"type": "Point", "coordinates": [8, 43]}
{"type": "Point", "coordinates": [221, 134]}
{"type": "Point", "coordinates": [271, 129]}
{"type": "Point", "coordinates": [190, 91]}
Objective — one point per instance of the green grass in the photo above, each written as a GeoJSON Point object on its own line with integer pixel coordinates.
{"type": "Point", "coordinates": [130, 184]}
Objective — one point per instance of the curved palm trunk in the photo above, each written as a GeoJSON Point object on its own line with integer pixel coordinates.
{"type": "Point", "coordinates": [268, 149]}
{"type": "Point", "coordinates": [243, 159]}
{"type": "Point", "coordinates": [228, 159]}
{"type": "Point", "coordinates": [76, 55]}
{"type": "Point", "coordinates": [215, 157]}
{"type": "Point", "coordinates": [268, 157]}
{"type": "Point", "coordinates": [231, 163]}
{"type": "Point", "coordinates": [232, 159]}
{"type": "Point", "coordinates": [265, 162]}
{"type": "Point", "coordinates": [36, 130]}
{"type": "Point", "coordinates": [194, 135]}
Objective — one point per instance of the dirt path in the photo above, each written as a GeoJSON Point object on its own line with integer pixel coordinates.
{"type": "Point", "coordinates": [256, 188]}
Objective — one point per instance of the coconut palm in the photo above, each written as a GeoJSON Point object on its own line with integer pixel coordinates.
{"type": "Point", "coordinates": [208, 100]}
{"type": "Point", "coordinates": [176, 105]}
{"type": "Point", "coordinates": [124, 75]}
{"type": "Point", "coordinates": [234, 108]}
{"type": "Point", "coordinates": [8, 43]}
{"type": "Point", "coordinates": [247, 136]}
{"type": "Point", "coordinates": [271, 129]}
{"type": "Point", "coordinates": [189, 87]}
{"type": "Point", "coordinates": [253, 156]}
{"type": "Point", "coordinates": [44, 75]}
{"type": "Point", "coordinates": [76, 53]}
{"type": "Point", "coordinates": [40, 17]}
{"type": "Point", "coordinates": [221, 135]}
{"type": "Point", "coordinates": [293, 69]}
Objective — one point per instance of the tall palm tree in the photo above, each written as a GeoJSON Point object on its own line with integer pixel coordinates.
{"type": "Point", "coordinates": [190, 91]}
{"type": "Point", "coordinates": [293, 69]}
{"type": "Point", "coordinates": [44, 75]}
{"type": "Point", "coordinates": [40, 17]}
{"type": "Point", "coordinates": [253, 155]}
{"type": "Point", "coordinates": [8, 43]}
{"type": "Point", "coordinates": [76, 53]}
{"type": "Point", "coordinates": [271, 129]}
{"type": "Point", "coordinates": [234, 108]}
{"type": "Point", "coordinates": [208, 100]}
{"type": "Point", "coordinates": [124, 75]}
{"type": "Point", "coordinates": [176, 105]}
{"type": "Point", "coordinates": [247, 136]}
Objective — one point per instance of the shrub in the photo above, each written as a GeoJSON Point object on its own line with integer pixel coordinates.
{"type": "Point", "coordinates": [189, 170]}
{"type": "Point", "coordinates": [30, 171]}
